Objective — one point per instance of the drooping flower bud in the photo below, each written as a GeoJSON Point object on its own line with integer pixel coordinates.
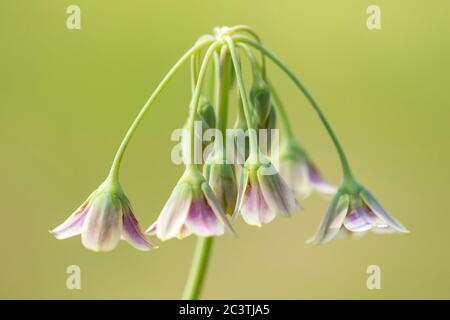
{"type": "Point", "coordinates": [206, 114]}
{"type": "Point", "coordinates": [222, 179]}
{"type": "Point", "coordinates": [300, 172]}
{"type": "Point", "coordinates": [260, 98]}
{"type": "Point", "coordinates": [242, 142]}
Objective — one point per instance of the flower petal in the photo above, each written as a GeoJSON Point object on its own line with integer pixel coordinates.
{"type": "Point", "coordinates": [132, 231]}
{"type": "Point", "coordinates": [152, 229]}
{"type": "Point", "coordinates": [102, 228]}
{"type": "Point", "coordinates": [175, 212]}
{"type": "Point", "coordinates": [73, 225]}
{"type": "Point", "coordinates": [202, 221]}
{"type": "Point", "coordinates": [215, 206]}
{"type": "Point", "coordinates": [318, 182]}
{"type": "Point", "coordinates": [333, 219]}
{"type": "Point", "coordinates": [356, 221]}
{"type": "Point", "coordinates": [242, 188]}
{"type": "Point", "coordinates": [277, 194]}
{"type": "Point", "coordinates": [300, 180]}
{"type": "Point", "coordinates": [376, 207]}
{"type": "Point", "coordinates": [255, 211]}
{"type": "Point", "coordinates": [184, 232]}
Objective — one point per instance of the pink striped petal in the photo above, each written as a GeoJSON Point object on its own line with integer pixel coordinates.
{"type": "Point", "coordinates": [317, 182]}
{"type": "Point", "coordinates": [132, 232]}
{"type": "Point", "coordinates": [277, 194]}
{"type": "Point", "coordinates": [377, 209]}
{"type": "Point", "coordinates": [202, 221]}
{"type": "Point", "coordinates": [213, 202]}
{"type": "Point", "coordinates": [175, 212]}
{"type": "Point", "coordinates": [102, 228]}
{"type": "Point", "coordinates": [356, 221]}
{"type": "Point", "coordinates": [332, 221]}
{"type": "Point", "coordinates": [73, 225]}
{"type": "Point", "coordinates": [255, 210]}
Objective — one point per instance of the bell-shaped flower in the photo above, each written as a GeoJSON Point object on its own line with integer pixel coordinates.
{"type": "Point", "coordinates": [222, 179]}
{"type": "Point", "coordinates": [103, 219]}
{"type": "Point", "coordinates": [263, 193]}
{"type": "Point", "coordinates": [355, 212]}
{"type": "Point", "coordinates": [299, 171]}
{"type": "Point", "coordinates": [192, 208]}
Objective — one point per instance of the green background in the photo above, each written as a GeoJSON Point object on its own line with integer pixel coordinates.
{"type": "Point", "coordinates": [67, 97]}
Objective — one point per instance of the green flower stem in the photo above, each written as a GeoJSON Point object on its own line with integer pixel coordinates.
{"type": "Point", "coordinates": [348, 177]}
{"type": "Point", "coordinates": [254, 34]}
{"type": "Point", "coordinates": [114, 171]}
{"type": "Point", "coordinates": [282, 111]}
{"type": "Point", "coordinates": [194, 74]}
{"type": "Point", "coordinates": [244, 97]}
{"type": "Point", "coordinates": [202, 252]}
{"type": "Point", "coordinates": [223, 90]}
{"type": "Point", "coordinates": [199, 265]}
{"type": "Point", "coordinates": [196, 96]}
{"type": "Point", "coordinates": [256, 68]}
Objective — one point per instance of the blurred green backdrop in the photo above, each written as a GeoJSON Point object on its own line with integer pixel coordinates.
{"type": "Point", "coordinates": [67, 97]}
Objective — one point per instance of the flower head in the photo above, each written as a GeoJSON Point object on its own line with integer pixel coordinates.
{"type": "Point", "coordinates": [191, 209]}
{"type": "Point", "coordinates": [299, 171]}
{"type": "Point", "coordinates": [103, 219]}
{"type": "Point", "coordinates": [354, 212]}
{"type": "Point", "coordinates": [263, 194]}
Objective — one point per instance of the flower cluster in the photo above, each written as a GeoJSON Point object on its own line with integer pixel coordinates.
{"type": "Point", "coordinates": [209, 194]}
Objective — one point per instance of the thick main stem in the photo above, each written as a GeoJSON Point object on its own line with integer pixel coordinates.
{"type": "Point", "coordinates": [345, 166]}
{"type": "Point", "coordinates": [114, 171]}
{"type": "Point", "coordinates": [199, 265]}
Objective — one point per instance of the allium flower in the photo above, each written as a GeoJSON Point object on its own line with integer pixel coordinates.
{"type": "Point", "coordinates": [263, 194]}
{"type": "Point", "coordinates": [191, 209]}
{"type": "Point", "coordinates": [299, 171]}
{"type": "Point", "coordinates": [222, 179]}
{"type": "Point", "coordinates": [102, 220]}
{"type": "Point", "coordinates": [355, 212]}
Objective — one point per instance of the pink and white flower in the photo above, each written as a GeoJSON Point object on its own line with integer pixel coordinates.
{"type": "Point", "coordinates": [192, 208]}
{"type": "Point", "coordinates": [102, 220]}
{"type": "Point", "coordinates": [300, 173]}
{"type": "Point", "coordinates": [263, 194]}
{"type": "Point", "coordinates": [355, 213]}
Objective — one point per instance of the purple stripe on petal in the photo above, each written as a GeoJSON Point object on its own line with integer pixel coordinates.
{"type": "Point", "coordinates": [318, 182]}
{"type": "Point", "coordinates": [102, 228]}
{"type": "Point", "coordinates": [376, 208]}
{"type": "Point", "coordinates": [202, 221]}
{"type": "Point", "coordinates": [356, 221]}
{"type": "Point", "coordinates": [152, 229]}
{"type": "Point", "coordinates": [255, 210]}
{"type": "Point", "coordinates": [277, 194]}
{"type": "Point", "coordinates": [73, 225]}
{"type": "Point", "coordinates": [332, 222]}
{"type": "Point", "coordinates": [132, 232]}
{"type": "Point", "coordinates": [175, 211]}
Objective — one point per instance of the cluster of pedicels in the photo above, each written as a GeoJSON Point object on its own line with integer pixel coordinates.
{"type": "Point", "coordinates": [208, 194]}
